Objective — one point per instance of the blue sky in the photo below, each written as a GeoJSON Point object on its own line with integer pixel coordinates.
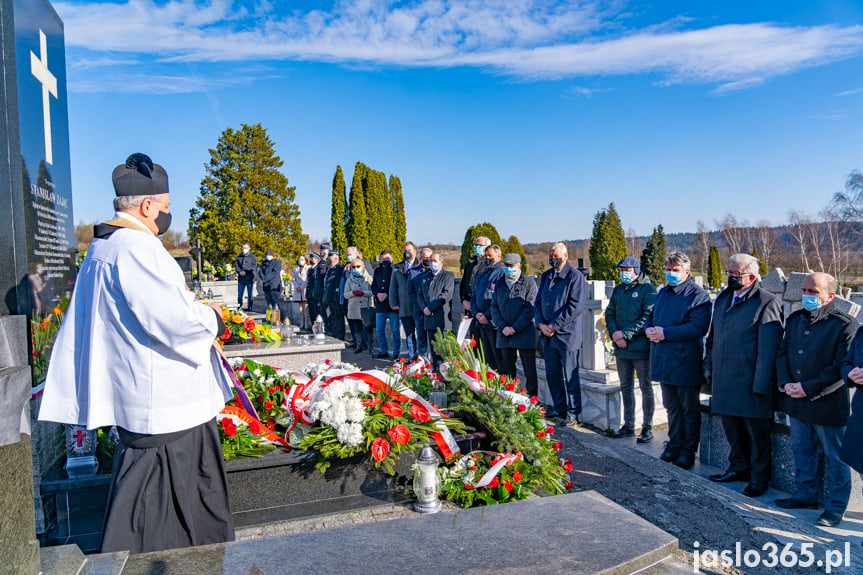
{"type": "Point", "coordinates": [532, 115]}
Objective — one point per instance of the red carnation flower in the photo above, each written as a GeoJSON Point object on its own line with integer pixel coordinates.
{"type": "Point", "coordinates": [568, 485]}
{"type": "Point", "coordinates": [472, 342]}
{"type": "Point", "coordinates": [534, 400]}
{"type": "Point", "coordinates": [568, 460]}
{"type": "Point", "coordinates": [494, 483]}
{"type": "Point", "coordinates": [224, 337]}
{"type": "Point", "coordinates": [380, 448]}
{"type": "Point", "coordinates": [249, 324]}
{"type": "Point", "coordinates": [557, 445]}
{"type": "Point", "coordinates": [489, 375]}
{"type": "Point", "coordinates": [522, 391]}
{"type": "Point", "coordinates": [419, 413]}
{"type": "Point", "coordinates": [392, 409]}
{"type": "Point", "coordinates": [503, 378]}
{"type": "Point", "coordinates": [540, 434]}
{"type": "Point", "coordinates": [400, 434]}
{"type": "Point", "coordinates": [229, 427]}
{"type": "Point", "coordinates": [508, 486]}
{"type": "Point", "coordinates": [521, 408]}
{"type": "Point", "coordinates": [417, 375]}
{"type": "Point", "coordinates": [549, 430]}
{"type": "Point", "coordinates": [517, 477]}
{"type": "Point", "coordinates": [567, 466]}
{"type": "Point", "coordinates": [509, 387]}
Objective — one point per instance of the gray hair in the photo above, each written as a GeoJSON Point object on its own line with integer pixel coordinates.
{"type": "Point", "coordinates": [675, 258]}
{"type": "Point", "coordinates": [425, 251]}
{"type": "Point", "coordinates": [748, 264]}
{"type": "Point", "coordinates": [558, 246]}
{"type": "Point", "coordinates": [494, 248]}
{"type": "Point", "coordinates": [483, 241]}
{"type": "Point", "coordinates": [124, 203]}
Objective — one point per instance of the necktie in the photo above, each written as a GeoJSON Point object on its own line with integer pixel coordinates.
{"type": "Point", "coordinates": [736, 299]}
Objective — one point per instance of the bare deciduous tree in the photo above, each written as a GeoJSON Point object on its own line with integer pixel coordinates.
{"type": "Point", "coordinates": [702, 244]}
{"type": "Point", "coordinates": [634, 244]}
{"type": "Point", "coordinates": [797, 227]}
{"type": "Point", "coordinates": [765, 240]}
{"type": "Point", "coordinates": [735, 234]}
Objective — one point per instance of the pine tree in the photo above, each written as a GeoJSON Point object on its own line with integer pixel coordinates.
{"type": "Point", "coordinates": [358, 226]}
{"type": "Point", "coordinates": [607, 244]}
{"type": "Point", "coordinates": [245, 198]}
{"type": "Point", "coordinates": [512, 245]}
{"type": "Point", "coordinates": [400, 227]}
{"type": "Point", "coordinates": [339, 217]}
{"type": "Point", "coordinates": [714, 268]}
{"type": "Point", "coordinates": [470, 236]}
{"type": "Point", "coordinates": [762, 267]}
{"type": "Point", "coordinates": [653, 256]}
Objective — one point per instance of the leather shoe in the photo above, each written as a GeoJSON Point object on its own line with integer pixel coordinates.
{"type": "Point", "coordinates": [624, 432]}
{"type": "Point", "coordinates": [382, 356]}
{"type": "Point", "coordinates": [794, 503]}
{"type": "Point", "coordinates": [685, 461]}
{"type": "Point", "coordinates": [646, 435]}
{"type": "Point", "coordinates": [729, 476]}
{"type": "Point", "coordinates": [572, 420]}
{"type": "Point", "coordinates": [755, 489]}
{"type": "Point", "coordinates": [669, 454]}
{"type": "Point", "coordinates": [829, 519]}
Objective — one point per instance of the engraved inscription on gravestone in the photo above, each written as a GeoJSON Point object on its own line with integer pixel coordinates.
{"type": "Point", "coordinates": [38, 162]}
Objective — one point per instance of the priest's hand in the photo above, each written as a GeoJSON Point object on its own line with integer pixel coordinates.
{"type": "Point", "coordinates": [856, 375]}
{"type": "Point", "coordinates": [507, 331]}
{"type": "Point", "coordinates": [216, 307]}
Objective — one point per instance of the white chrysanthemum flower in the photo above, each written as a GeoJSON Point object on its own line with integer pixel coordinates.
{"type": "Point", "coordinates": [257, 372]}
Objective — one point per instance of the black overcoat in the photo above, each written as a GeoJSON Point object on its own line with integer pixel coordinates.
{"type": "Point", "coordinates": [852, 445]}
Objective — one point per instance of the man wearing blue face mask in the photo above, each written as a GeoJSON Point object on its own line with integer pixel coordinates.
{"type": "Point", "coordinates": [631, 303]}
{"type": "Point", "coordinates": [808, 370]}
{"type": "Point", "coordinates": [480, 305]}
{"type": "Point", "coordinates": [472, 269]}
{"type": "Point", "coordinates": [676, 326]}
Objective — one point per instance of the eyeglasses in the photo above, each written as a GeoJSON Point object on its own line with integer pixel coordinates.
{"type": "Point", "coordinates": [735, 274]}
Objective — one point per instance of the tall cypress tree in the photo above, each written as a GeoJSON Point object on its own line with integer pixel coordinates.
{"type": "Point", "coordinates": [512, 245]}
{"type": "Point", "coordinates": [358, 225]}
{"type": "Point", "coordinates": [338, 215]}
{"type": "Point", "coordinates": [714, 268]}
{"type": "Point", "coordinates": [484, 229]}
{"type": "Point", "coordinates": [762, 267]}
{"type": "Point", "coordinates": [653, 256]}
{"type": "Point", "coordinates": [400, 227]}
{"type": "Point", "coordinates": [607, 244]}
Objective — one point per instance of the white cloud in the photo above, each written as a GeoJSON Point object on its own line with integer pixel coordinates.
{"type": "Point", "coordinates": [850, 92]}
{"type": "Point", "coordinates": [528, 39]}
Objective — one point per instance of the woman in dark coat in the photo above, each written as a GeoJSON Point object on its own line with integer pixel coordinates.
{"type": "Point", "coordinates": [512, 314]}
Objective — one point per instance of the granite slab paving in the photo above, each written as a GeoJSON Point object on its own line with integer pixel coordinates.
{"type": "Point", "coordinates": [571, 533]}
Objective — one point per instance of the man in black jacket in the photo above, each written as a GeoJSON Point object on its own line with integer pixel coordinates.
{"type": "Point", "coordinates": [740, 360]}
{"type": "Point", "coordinates": [383, 311]}
{"type": "Point", "coordinates": [433, 298]}
{"type": "Point", "coordinates": [311, 280]}
{"type": "Point", "coordinates": [817, 339]}
{"type": "Point", "coordinates": [246, 265]}
{"type": "Point", "coordinates": [320, 276]}
{"type": "Point", "coordinates": [332, 298]}
{"type": "Point", "coordinates": [472, 269]}
{"type": "Point", "coordinates": [270, 273]}
{"type": "Point", "coordinates": [414, 287]}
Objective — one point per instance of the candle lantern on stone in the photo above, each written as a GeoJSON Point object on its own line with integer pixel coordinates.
{"type": "Point", "coordinates": [427, 481]}
{"type": "Point", "coordinates": [318, 328]}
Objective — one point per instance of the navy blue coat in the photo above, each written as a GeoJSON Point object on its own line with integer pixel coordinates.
{"type": "Point", "coordinates": [486, 282]}
{"type": "Point", "coordinates": [513, 307]}
{"type": "Point", "coordinates": [560, 303]}
{"type": "Point", "coordinates": [683, 313]}
{"type": "Point", "coordinates": [852, 445]}
{"type": "Point", "coordinates": [435, 292]}
{"type": "Point", "coordinates": [270, 273]}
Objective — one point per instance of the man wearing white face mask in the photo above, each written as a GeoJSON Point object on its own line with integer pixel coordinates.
{"type": "Point", "coordinates": [675, 328]}
{"type": "Point", "coordinates": [625, 317]}
{"type": "Point", "coordinates": [433, 298]}
{"type": "Point", "coordinates": [817, 339]}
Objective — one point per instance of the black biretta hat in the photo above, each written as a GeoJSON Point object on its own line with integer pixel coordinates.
{"type": "Point", "coordinates": [139, 176]}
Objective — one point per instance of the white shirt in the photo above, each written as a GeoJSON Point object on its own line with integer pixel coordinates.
{"type": "Point", "coordinates": [135, 349]}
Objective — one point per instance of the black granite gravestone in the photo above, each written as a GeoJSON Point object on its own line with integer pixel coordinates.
{"type": "Point", "coordinates": [36, 226]}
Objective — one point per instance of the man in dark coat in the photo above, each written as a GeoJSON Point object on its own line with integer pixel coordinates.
{"type": "Point", "coordinates": [472, 269]}
{"type": "Point", "coordinates": [332, 298]}
{"type": "Point", "coordinates": [270, 273]}
{"type": "Point", "coordinates": [480, 306]}
{"type": "Point", "coordinates": [625, 318]}
{"type": "Point", "coordinates": [311, 280]}
{"type": "Point", "coordinates": [246, 265]}
{"type": "Point", "coordinates": [560, 301]}
{"type": "Point", "coordinates": [414, 288]}
{"type": "Point", "coordinates": [852, 373]}
{"type": "Point", "coordinates": [382, 278]}
{"type": "Point", "coordinates": [512, 313]}
{"type": "Point", "coordinates": [740, 360]}
{"type": "Point", "coordinates": [320, 277]}
{"type": "Point", "coordinates": [399, 298]}
{"type": "Point", "coordinates": [675, 328]}
{"type": "Point", "coordinates": [817, 339]}
{"type": "Point", "coordinates": [433, 298]}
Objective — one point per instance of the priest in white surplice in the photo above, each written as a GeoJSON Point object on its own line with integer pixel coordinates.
{"type": "Point", "coordinates": [135, 351]}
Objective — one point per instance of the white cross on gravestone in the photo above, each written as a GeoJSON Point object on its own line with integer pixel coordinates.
{"type": "Point", "coordinates": [39, 68]}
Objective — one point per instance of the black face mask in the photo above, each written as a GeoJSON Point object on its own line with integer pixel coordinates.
{"type": "Point", "coordinates": [408, 257]}
{"type": "Point", "coordinates": [555, 262]}
{"type": "Point", "coordinates": [386, 263]}
{"type": "Point", "coordinates": [163, 222]}
{"type": "Point", "coordinates": [735, 282]}
{"type": "Point", "coordinates": [426, 263]}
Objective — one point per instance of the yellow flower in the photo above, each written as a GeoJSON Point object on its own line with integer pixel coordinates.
{"type": "Point", "coordinates": [57, 310]}
{"type": "Point", "coordinates": [236, 319]}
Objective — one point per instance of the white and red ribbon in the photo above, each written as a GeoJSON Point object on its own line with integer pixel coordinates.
{"type": "Point", "coordinates": [478, 386]}
{"type": "Point", "coordinates": [505, 460]}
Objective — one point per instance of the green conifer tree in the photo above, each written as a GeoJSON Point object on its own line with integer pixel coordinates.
{"type": "Point", "coordinates": [512, 245]}
{"type": "Point", "coordinates": [400, 227]}
{"type": "Point", "coordinates": [358, 225]}
{"type": "Point", "coordinates": [714, 268]}
{"type": "Point", "coordinates": [245, 198]}
{"type": "Point", "coordinates": [470, 236]}
{"type": "Point", "coordinates": [762, 267]}
{"type": "Point", "coordinates": [607, 244]}
{"type": "Point", "coordinates": [338, 214]}
{"type": "Point", "coordinates": [653, 256]}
